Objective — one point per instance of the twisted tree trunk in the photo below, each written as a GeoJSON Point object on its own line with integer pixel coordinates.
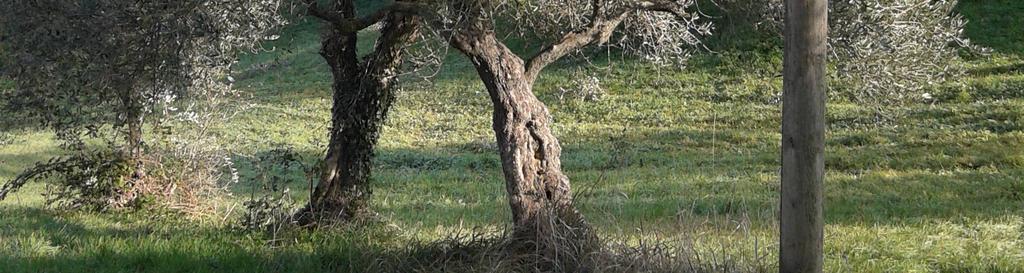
{"type": "Point", "coordinates": [363, 94]}
{"type": "Point", "coordinates": [538, 192]}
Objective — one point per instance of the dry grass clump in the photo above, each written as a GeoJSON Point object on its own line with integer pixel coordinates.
{"type": "Point", "coordinates": [188, 178]}
{"type": "Point", "coordinates": [486, 252]}
{"type": "Point", "coordinates": [564, 246]}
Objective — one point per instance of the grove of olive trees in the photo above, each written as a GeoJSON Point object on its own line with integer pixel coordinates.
{"type": "Point", "coordinates": [666, 160]}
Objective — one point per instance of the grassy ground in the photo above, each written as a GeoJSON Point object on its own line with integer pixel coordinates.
{"type": "Point", "coordinates": [688, 156]}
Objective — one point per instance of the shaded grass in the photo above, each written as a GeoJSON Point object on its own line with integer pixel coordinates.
{"type": "Point", "coordinates": [995, 24]}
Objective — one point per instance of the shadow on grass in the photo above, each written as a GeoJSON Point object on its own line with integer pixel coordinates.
{"type": "Point", "coordinates": [45, 242]}
{"type": "Point", "coordinates": [36, 240]}
{"type": "Point", "coordinates": [999, 70]}
{"type": "Point", "coordinates": [995, 24]}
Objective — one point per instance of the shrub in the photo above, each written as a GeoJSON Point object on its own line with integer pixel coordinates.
{"type": "Point", "coordinates": [94, 180]}
{"type": "Point", "coordinates": [183, 167]}
{"type": "Point", "coordinates": [187, 177]}
{"type": "Point", "coordinates": [269, 206]}
{"type": "Point", "coordinates": [583, 87]}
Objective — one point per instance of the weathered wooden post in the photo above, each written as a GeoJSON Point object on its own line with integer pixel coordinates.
{"type": "Point", "coordinates": [803, 137]}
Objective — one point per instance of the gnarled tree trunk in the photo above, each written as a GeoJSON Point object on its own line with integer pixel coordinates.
{"type": "Point", "coordinates": [363, 94]}
{"type": "Point", "coordinates": [538, 192]}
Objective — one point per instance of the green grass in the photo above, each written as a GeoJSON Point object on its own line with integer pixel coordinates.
{"type": "Point", "coordinates": [683, 155]}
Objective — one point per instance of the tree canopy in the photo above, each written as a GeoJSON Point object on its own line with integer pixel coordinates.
{"type": "Point", "coordinates": [80, 65]}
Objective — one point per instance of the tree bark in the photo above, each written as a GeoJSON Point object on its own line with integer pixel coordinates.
{"type": "Point", "coordinates": [803, 137]}
{"type": "Point", "coordinates": [539, 193]}
{"type": "Point", "coordinates": [133, 122]}
{"type": "Point", "coordinates": [363, 94]}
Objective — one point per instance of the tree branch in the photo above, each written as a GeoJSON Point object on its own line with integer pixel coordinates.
{"type": "Point", "coordinates": [598, 31]}
{"type": "Point", "coordinates": [360, 23]}
{"type": "Point", "coordinates": [314, 9]}
{"type": "Point", "coordinates": [457, 38]}
{"type": "Point", "coordinates": [666, 6]}
{"type": "Point", "coordinates": [602, 25]}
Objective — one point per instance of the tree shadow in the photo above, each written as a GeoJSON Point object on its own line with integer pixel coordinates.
{"type": "Point", "coordinates": [41, 241]}
{"type": "Point", "coordinates": [995, 24]}
{"type": "Point", "coordinates": [167, 246]}
{"type": "Point", "coordinates": [999, 70]}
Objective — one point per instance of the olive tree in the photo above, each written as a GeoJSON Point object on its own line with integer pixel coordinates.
{"type": "Point", "coordinates": [894, 51]}
{"type": "Point", "coordinates": [97, 68]}
{"type": "Point", "coordinates": [884, 52]}
{"type": "Point", "coordinates": [662, 31]}
{"type": "Point", "coordinates": [363, 92]}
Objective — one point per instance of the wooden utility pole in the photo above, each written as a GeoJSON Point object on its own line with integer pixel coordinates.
{"type": "Point", "coordinates": [801, 224]}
